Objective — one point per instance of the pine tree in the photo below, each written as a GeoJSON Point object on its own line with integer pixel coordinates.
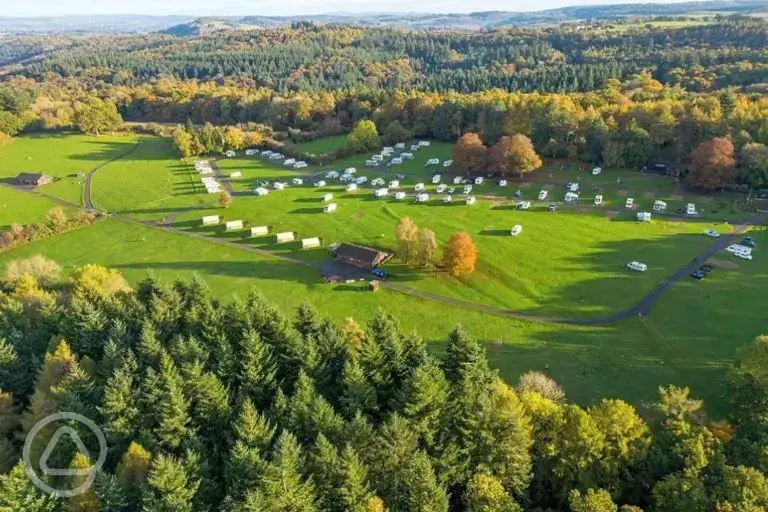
{"type": "Point", "coordinates": [18, 493]}
{"type": "Point", "coordinates": [257, 369]}
{"type": "Point", "coordinates": [282, 488]}
{"type": "Point", "coordinates": [253, 440]}
{"type": "Point", "coordinates": [423, 399]}
{"type": "Point", "coordinates": [169, 487]}
{"type": "Point", "coordinates": [357, 395]}
{"type": "Point", "coordinates": [120, 403]}
{"type": "Point", "coordinates": [173, 428]}
{"type": "Point", "coordinates": [353, 491]}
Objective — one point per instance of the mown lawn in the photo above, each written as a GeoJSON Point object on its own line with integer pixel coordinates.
{"type": "Point", "coordinates": [619, 360]}
{"type": "Point", "coordinates": [568, 263]}
{"type": "Point", "coordinates": [144, 176]}
{"type": "Point", "coordinates": [62, 156]}
{"type": "Point", "coordinates": [22, 208]}
{"type": "Point", "coordinates": [324, 145]}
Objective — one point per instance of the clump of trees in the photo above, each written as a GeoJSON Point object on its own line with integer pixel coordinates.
{"type": "Point", "coordinates": [97, 116]}
{"type": "Point", "coordinates": [414, 245]}
{"type": "Point", "coordinates": [510, 155]}
{"type": "Point", "coordinates": [214, 406]}
{"type": "Point", "coordinates": [57, 221]}
{"type": "Point", "coordinates": [191, 140]}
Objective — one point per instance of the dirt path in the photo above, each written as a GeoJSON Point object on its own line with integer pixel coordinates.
{"type": "Point", "coordinates": [223, 179]}
{"type": "Point", "coordinates": [87, 201]}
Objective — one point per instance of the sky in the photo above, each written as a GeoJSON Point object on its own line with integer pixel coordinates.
{"type": "Point", "coordinates": [279, 7]}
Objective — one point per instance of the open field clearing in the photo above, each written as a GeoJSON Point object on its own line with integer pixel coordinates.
{"type": "Point", "coordinates": [62, 157]}
{"type": "Point", "coordinates": [569, 263]}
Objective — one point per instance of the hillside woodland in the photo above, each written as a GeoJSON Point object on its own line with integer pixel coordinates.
{"type": "Point", "coordinates": [239, 407]}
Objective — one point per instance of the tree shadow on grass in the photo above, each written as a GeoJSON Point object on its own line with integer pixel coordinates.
{"type": "Point", "coordinates": [270, 270]}
{"type": "Point", "coordinates": [307, 211]}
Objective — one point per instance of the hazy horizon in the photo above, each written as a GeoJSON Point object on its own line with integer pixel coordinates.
{"type": "Point", "coordinates": [197, 8]}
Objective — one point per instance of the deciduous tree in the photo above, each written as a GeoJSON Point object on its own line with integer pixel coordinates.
{"type": "Point", "coordinates": [713, 164]}
{"type": "Point", "coordinates": [459, 255]}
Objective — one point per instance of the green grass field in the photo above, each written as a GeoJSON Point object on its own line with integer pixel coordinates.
{"type": "Point", "coordinates": [324, 145]}
{"type": "Point", "coordinates": [62, 157]}
{"type": "Point", "coordinates": [144, 176]}
{"type": "Point", "coordinates": [22, 208]}
{"type": "Point", "coordinates": [568, 263]}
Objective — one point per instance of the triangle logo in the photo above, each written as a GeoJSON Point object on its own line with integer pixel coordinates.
{"type": "Point", "coordinates": [75, 437]}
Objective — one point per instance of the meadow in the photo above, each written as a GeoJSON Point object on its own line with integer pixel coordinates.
{"type": "Point", "coordinates": [64, 157]}
{"type": "Point", "coordinates": [569, 263]}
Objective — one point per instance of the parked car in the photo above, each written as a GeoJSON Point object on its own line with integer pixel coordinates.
{"type": "Point", "coordinates": [377, 272]}
{"type": "Point", "coordinates": [552, 207]}
{"type": "Point", "coordinates": [637, 266]}
{"type": "Point", "coordinates": [698, 275]}
{"type": "Point", "coordinates": [706, 268]}
{"type": "Point", "coordinates": [749, 241]}
{"type": "Point", "coordinates": [712, 233]}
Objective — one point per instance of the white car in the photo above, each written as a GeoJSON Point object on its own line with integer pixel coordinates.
{"type": "Point", "coordinates": [637, 266]}
{"type": "Point", "coordinates": [516, 230]}
{"type": "Point", "coordinates": [712, 233]}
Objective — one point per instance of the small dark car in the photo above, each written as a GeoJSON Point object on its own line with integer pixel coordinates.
{"type": "Point", "coordinates": [698, 275]}
{"type": "Point", "coordinates": [379, 273]}
{"type": "Point", "coordinates": [552, 207]}
{"type": "Point", "coordinates": [749, 242]}
{"type": "Point", "coordinates": [706, 268]}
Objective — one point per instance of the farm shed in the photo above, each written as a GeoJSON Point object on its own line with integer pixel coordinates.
{"type": "Point", "coordinates": [33, 178]}
{"type": "Point", "coordinates": [360, 256]}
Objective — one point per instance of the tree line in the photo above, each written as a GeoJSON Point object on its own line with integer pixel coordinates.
{"type": "Point", "coordinates": [236, 406]}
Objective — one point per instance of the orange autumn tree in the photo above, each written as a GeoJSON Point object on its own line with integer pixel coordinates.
{"type": "Point", "coordinates": [514, 154]}
{"type": "Point", "coordinates": [469, 153]}
{"type": "Point", "coordinates": [459, 255]}
{"type": "Point", "coordinates": [713, 164]}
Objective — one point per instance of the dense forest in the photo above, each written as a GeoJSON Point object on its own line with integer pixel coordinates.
{"type": "Point", "coordinates": [211, 406]}
{"type": "Point", "coordinates": [700, 57]}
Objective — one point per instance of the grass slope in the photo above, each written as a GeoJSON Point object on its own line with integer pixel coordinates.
{"type": "Point", "coordinates": [590, 362]}
{"type": "Point", "coordinates": [22, 208]}
{"type": "Point", "coordinates": [62, 156]}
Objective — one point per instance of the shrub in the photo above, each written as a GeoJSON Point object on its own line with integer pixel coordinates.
{"type": "Point", "coordinates": [46, 272]}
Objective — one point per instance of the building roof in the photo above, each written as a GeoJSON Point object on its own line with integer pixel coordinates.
{"type": "Point", "coordinates": [30, 176]}
{"type": "Point", "coordinates": [361, 253]}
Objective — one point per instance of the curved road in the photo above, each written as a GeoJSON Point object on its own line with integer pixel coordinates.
{"type": "Point", "coordinates": [642, 307]}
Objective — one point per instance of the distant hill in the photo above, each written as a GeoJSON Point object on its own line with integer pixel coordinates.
{"type": "Point", "coordinates": [107, 24]}
{"type": "Point", "coordinates": [476, 20]}
{"type": "Point", "coordinates": [190, 25]}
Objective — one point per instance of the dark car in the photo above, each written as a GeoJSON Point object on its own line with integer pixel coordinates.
{"type": "Point", "coordinates": [706, 268]}
{"type": "Point", "coordinates": [379, 273]}
{"type": "Point", "coordinates": [698, 275]}
{"type": "Point", "coordinates": [749, 242]}
{"type": "Point", "coordinates": [552, 207]}
{"type": "Point", "coordinates": [518, 194]}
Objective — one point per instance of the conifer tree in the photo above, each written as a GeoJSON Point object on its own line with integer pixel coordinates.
{"type": "Point", "coordinates": [173, 426]}
{"type": "Point", "coordinates": [257, 369]}
{"type": "Point", "coordinates": [18, 493]}
{"type": "Point", "coordinates": [282, 488]}
{"type": "Point", "coordinates": [169, 487]}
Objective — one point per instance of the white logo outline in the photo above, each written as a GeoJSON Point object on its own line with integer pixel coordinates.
{"type": "Point", "coordinates": [90, 472]}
